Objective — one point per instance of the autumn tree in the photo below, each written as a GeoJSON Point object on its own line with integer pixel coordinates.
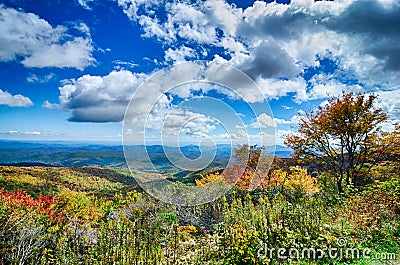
{"type": "Point", "coordinates": [257, 165]}
{"type": "Point", "coordinates": [390, 142]}
{"type": "Point", "coordinates": [344, 134]}
{"type": "Point", "coordinates": [255, 171]}
{"type": "Point", "coordinates": [248, 172]}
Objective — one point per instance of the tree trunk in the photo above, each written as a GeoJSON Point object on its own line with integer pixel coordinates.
{"type": "Point", "coordinates": [340, 186]}
{"type": "Point", "coordinates": [348, 177]}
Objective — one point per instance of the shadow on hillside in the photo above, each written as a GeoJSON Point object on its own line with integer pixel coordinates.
{"type": "Point", "coordinates": [109, 174]}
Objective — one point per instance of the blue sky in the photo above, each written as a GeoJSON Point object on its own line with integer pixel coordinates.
{"type": "Point", "coordinates": [69, 68]}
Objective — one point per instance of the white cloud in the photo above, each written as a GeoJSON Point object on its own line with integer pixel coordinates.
{"type": "Point", "coordinates": [32, 133]}
{"type": "Point", "coordinates": [105, 98]}
{"type": "Point", "coordinates": [86, 3]}
{"type": "Point", "coordinates": [13, 132]}
{"type": "Point", "coordinates": [196, 23]}
{"type": "Point", "coordinates": [47, 105]}
{"type": "Point", "coordinates": [307, 48]}
{"type": "Point", "coordinates": [263, 120]}
{"type": "Point", "coordinates": [389, 101]}
{"type": "Point", "coordinates": [32, 78]}
{"type": "Point", "coordinates": [293, 120]}
{"type": "Point", "coordinates": [98, 99]}
{"type": "Point", "coordinates": [275, 88]}
{"type": "Point", "coordinates": [75, 54]}
{"type": "Point", "coordinates": [240, 136]}
{"type": "Point", "coordinates": [131, 7]}
{"type": "Point", "coordinates": [128, 132]}
{"type": "Point", "coordinates": [281, 136]}
{"type": "Point", "coordinates": [14, 100]}
{"type": "Point", "coordinates": [389, 125]}
{"type": "Point", "coordinates": [179, 55]}
{"type": "Point", "coordinates": [25, 35]}
{"type": "Point", "coordinates": [190, 123]}
{"type": "Point", "coordinates": [275, 43]}
{"type": "Point", "coordinates": [324, 86]}
{"type": "Point", "coordinates": [121, 65]}
{"type": "Point", "coordinates": [281, 121]}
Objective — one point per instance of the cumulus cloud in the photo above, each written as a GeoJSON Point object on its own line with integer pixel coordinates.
{"type": "Point", "coordinates": [98, 98]}
{"type": "Point", "coordinates": [193, 22]}
{"type": "Point", "coordinates": [262, 121]}
{"type": "Point", "coordinates": [281, 136]}
{"type": "Point", "coordinates": [287, 107]}
{"type": "Point", "coordinates": [75, 53]}
{"type": "Point", "coordinates": [27, 37]}
{"type": "Point", "coordinates": [131, 7]}
{"type": "Point", "coordinates": [279, 46]}
{"type": "Point", "coordinates": [389, 101]}
{"type": "Point", "coordinates": [276, 88]}
{"type": "Point", "coordinates": [179, 55]}
{"type": "Point", "coordinates": [239, 136]}
{"type": "Point", "coordinates": [14, 100]}
{"type": "Point", "coordinates": [373, 20]}
{"type": "Point", "coordinates": [263, 20]}
{"type": "Point", "coordinates": [268, 61]}
{"type": "Point", "coordinates": [105, 98]}
{"type": "Point", "coordinates": [276, 43]}
{"type": "Point", "coordinates": [293, 120]}
{"type": "Point", "coordinates": [193, 124]}
{"type": "Point", "coordinates": [370, 48]}
{"type": "Point", "coordinates": [324, 86]}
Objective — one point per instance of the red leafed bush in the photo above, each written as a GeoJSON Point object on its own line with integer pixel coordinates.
{"type": "Point", "coordinates": [21, 199]}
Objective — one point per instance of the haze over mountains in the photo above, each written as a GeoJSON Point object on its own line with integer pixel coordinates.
{"type": "Point", "coordinates": [68, 153]}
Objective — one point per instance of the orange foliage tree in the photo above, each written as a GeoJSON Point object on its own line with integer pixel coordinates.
{"type": "Point", "coordinates": [255, 171]}
{"type": "Point", "coordinates": [345, 135]}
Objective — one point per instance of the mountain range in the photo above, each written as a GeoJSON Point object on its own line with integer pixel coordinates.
{"type": "Point", "coordinates": [77, 154]}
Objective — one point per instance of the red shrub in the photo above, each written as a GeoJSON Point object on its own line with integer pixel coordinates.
{"type": "Point", "coordinates": [20, 198]}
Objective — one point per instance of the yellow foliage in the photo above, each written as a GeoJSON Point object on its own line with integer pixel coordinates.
{"type": "Point", "coordinates": [207, 178]}
{"type": "Point", "coordinates": [276, 178]}
{"type": "Point", "coordinates": [190, 229]}
{"type": "Point", "coordinates": [77, 206]}
{"type": "Point", "coordinates": [298, 179]}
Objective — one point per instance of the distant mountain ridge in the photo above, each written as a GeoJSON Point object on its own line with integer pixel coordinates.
{"type": "Point", "coordinates": [88, 154]}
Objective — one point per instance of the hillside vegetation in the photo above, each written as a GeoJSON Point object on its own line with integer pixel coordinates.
{"type": "Point", "coordinates": [91, 215]}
